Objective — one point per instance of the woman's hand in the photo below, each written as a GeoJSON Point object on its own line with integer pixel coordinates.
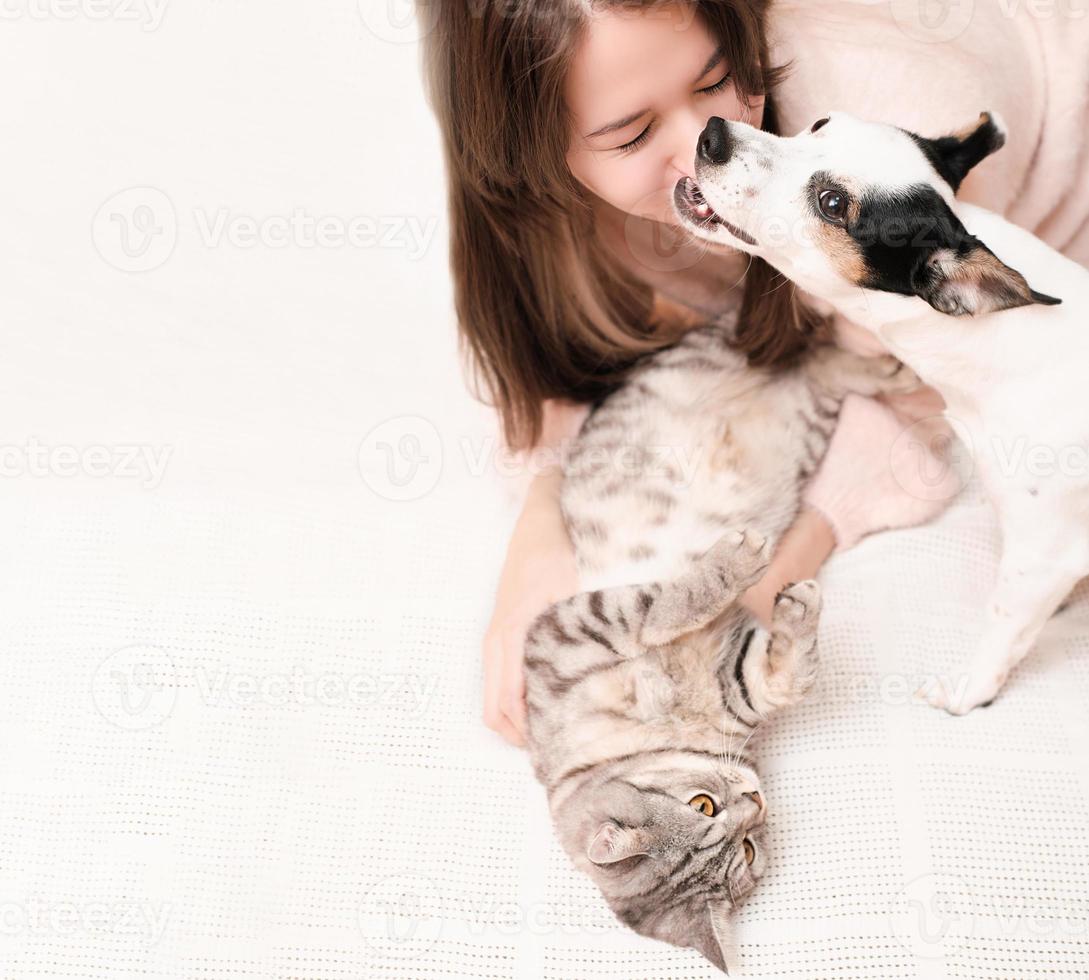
{"type": "Point", "coordinates": [539, 569]}
{"type": "Point", "coordinates": [882, 471]}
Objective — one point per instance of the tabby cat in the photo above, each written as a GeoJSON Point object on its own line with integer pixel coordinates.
{"type": "Point", "coordinates": [643, 691]}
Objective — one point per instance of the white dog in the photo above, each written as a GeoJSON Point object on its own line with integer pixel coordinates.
{"type": "Point", "coordinates": [863, 217]}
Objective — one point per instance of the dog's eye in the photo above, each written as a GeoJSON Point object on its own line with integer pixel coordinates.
{"type": "Point", "coordinates": [817, 125]}
{"type": "Point", "coordinates": [703, 803]}
{"type": "Point", "coordinates": [833, 205]}
{"type": "Point", "coordinates": [750, 851]}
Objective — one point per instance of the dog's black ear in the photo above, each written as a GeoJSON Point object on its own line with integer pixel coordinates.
{"type": "Point", "coordinates": [954, 155]}
{"type": "Point", "coordinates": [970, 279]}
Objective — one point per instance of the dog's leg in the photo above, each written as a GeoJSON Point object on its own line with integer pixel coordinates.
{"type": "Point", "coordinates": [1033, 579]}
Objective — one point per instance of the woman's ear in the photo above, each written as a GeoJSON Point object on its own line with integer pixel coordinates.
{"type": "Point", "coordinates": [954, 155]}
{"type": "Point", "coordinates": [972, 279]}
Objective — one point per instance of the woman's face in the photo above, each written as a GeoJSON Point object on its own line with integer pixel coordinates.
{"type": "Point", "coordinates": [657, 73]}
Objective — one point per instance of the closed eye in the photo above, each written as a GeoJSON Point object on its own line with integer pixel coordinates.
{"type": "Point", "coordinates": [639, 140]}
{"type": "Point", "coordinates": [718, 86]}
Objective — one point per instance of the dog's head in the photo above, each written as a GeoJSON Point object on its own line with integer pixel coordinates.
{"type": "Point", "coordinates": [853, 203]}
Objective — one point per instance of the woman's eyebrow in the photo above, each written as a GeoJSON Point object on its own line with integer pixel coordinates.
{"type": "Point", "coordinates": [612, 127]}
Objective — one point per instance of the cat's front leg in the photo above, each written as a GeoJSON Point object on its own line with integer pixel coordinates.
{"type": "Point", "coordinates": [787, 670]}
{"type": "Point", "coordinates": [838, 372]}
{"type": "Point", "coordinates": [591, 631]}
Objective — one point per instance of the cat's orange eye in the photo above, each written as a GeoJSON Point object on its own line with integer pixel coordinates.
{"type": "Point", "coordinates": [703, 803]}
{"type": "Point", "coordinates": [750, 851]}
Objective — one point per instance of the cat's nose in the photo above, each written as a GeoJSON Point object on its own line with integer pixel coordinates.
{"type": "Point", "coordinates": [758, 800]}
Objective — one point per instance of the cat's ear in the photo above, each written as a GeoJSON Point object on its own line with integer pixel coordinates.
{"type": "Point", "coordinates": [715, 580]}
{"type": "Point", "coordinates": [972, 279]}
{"type": "Point", "coordinates": [714, 937]}
{"type": "Point", "coordinates": [612, 843]}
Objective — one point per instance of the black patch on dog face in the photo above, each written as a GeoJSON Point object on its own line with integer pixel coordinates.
{"type": "Point", "coordinates": [897, 232]}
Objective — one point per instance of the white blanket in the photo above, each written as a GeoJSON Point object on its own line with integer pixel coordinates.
{"type": "Point", "coordinates": [240, 684]}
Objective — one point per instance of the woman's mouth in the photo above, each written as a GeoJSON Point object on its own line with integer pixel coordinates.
{"type": "Point", "coordinates": [689, 200]}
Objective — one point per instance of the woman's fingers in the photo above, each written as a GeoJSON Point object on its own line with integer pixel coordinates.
{"type": "Point", "coordinates": [513, 686]}
{"type": "Point", "coordinates": [495, 695]}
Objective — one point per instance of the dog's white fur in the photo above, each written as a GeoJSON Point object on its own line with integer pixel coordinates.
{"type": "Point", "coordinates": [1015, 378]}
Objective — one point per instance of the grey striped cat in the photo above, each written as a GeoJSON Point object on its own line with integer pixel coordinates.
{"type": "Point", "coordinates": [643, 690]}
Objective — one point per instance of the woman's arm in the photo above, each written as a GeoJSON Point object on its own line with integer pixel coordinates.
{"type": "Point", "coordinates": [539, 569]}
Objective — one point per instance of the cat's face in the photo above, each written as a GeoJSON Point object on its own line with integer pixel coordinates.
{"type": "Point", "coordinates": [674, 849]}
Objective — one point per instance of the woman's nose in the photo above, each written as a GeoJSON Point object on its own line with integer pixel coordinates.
{"type": "Point", "coordinates": [715, 144]}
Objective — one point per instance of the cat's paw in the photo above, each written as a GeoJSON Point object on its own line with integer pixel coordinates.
{"type": "Point", "coordinates": [841, 371]}
{"type": "Point", "coordinates": [749, 551]}
{"type": "Point", "coordinates": [793, 657]}
{"type": "Point", "coordinates": [798, 605]}
{"type": "Point", "coordinates": [896, 376]}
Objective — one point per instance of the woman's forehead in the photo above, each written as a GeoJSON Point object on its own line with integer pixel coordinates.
{"type": "Point", "coordinates": [626, 56]}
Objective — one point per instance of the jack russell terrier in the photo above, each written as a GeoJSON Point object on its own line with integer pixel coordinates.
{"type": "Point", "coordinates": [863, 217]}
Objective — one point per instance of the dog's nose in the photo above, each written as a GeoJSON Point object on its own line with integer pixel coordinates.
{"type": "Point", "coordinates": [715, 144]}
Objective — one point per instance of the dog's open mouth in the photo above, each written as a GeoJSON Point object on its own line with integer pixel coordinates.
{"type": "Point", "coordinates": [689, 200]}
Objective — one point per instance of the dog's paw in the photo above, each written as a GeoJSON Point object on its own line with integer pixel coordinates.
{"type": "Point", "coordinates": [961, 692]}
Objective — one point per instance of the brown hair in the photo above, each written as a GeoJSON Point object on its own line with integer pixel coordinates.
{"type": "Point", "coordinates": [544, 309]}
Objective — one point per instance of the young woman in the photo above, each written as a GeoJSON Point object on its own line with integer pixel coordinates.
{"type": "Point", "coordinates": [567, 123]}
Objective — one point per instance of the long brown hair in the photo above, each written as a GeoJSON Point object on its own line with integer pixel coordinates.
{"type": "Point", "coordinates": [544, 309]}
